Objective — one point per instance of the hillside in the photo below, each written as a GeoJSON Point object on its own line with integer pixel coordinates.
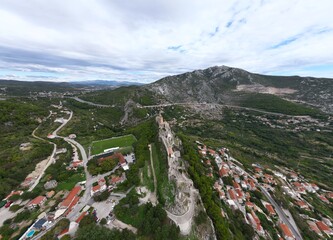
{"type": "Point", "coordinates": [223, 84]}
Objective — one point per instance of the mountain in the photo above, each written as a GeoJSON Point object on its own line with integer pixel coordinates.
{"type": "Point", "coordinates": [233, 85]}
{"type": "Point", "coordinates": [26, 88]}
{"type": "Point", "coordinates": [105, 83]}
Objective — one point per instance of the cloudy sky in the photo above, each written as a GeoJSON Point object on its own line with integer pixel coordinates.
{"type": "Point", "coordinates": [145, 40]}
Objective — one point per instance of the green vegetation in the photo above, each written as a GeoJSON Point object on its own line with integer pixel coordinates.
{"type": "Point", "coordinates": [204, 184]}
{"type": "Point", "coordinates": [165, 188]}
{"type": "Point", "coordinates": [93, 231]}
{"type": "Point", "coordinates": [151, 222]}
{"type": "Point", "coordinates": [123, 141]}
{"type": "Point", "coordinates": [120, 96]}
{"type": "Point", "coordinates": [271, 103]}
{"type": "Point", "coordinates": [15, 208]}
{"type": "Point", "coordinates": [56, 230]}
{"type": "Point", "coordinates": [147, 176]}
{"type": "Point", "coordinates": [94, 167]}
{"type": "Point", "coordinates": [103, 196]}
{"type": "Point", "coordinates": [90, 123]}
{"type": "Point", "coordinates": [145, 134]}
{"type": "Point", "coordinates": [17, 121]}
{"type": "Point", "coordinates": [251, 141]}
{"type": "Point", "coordinates": [66, 179]}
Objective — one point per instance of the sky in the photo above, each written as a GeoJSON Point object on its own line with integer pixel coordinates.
{"type": "Point", "coordinates": [145, 40]}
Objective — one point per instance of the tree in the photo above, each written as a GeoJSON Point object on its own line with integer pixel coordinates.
{"type": "Point", "coordinates": [66, 237]}
{"type": "Point", "coordinates": [102, 196]}
{"type": "Point", "coordinates": [103, 221]}
{"type": "Point", "coordinates": [87, 220]}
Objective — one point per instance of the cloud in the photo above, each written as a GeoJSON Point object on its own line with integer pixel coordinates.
{"type": "Point", "coordinates": [145, 40]}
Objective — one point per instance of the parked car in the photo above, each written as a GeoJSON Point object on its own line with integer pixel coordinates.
{"type": "Point", "coordinates": [8, 204]}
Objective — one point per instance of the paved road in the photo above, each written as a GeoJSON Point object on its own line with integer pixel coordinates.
{"type": "Point", "coordinates": [52, 156]}
{"type": "Point", "coordinates": [281, 214]}
{"type": "Point", "coordinates": [91, 103]}
{"type": "Point", "coordinates": [222, 105]}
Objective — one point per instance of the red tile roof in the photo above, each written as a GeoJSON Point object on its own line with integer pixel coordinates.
{"type": "Point", "coordinates": [297, 184]}
{"type": "Point", "coordinates": [78, 220]}
{"type": "Point", "coordinates": [116, 179]}
{"type": "Point", "coordinates": [239, 193]}
{"type": "Point", "coordinates": [322, 226]}
{"type": "Point", "coordinates": [223, 172]}
{"type": "Point", "coordinates": [36, 201]}
{"type": "Point", "coordinates": [232, 194]}
{"type": "Point", "coordinates": [313, 227]}
{"type": "Point", "coordinates": [286, 231]}
{"type": "Point", "coordinates": [270, 208]}
{"type": "Point", "coordinates": [249, 204]}
{"type": "Point", "coordinates": [255, 217]}
{"type": "Point", "coordinates": [73, 203]}
{"type": "Point", "coordinates": [70, 197]}
{"type": "Point", "coordinates": [96, 188]}
{"type": "Point", "coordinates": [236, 185]}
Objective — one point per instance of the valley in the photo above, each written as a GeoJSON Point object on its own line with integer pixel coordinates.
{"type": "Point", "coordinates": [219, 153]}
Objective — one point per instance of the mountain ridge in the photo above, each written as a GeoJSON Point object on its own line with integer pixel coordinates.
{"type": "Point", "coordinates": [221, 84]}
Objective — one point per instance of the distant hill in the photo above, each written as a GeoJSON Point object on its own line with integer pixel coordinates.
{"type": "Point", "coordinates": [232, 85]}
{"type": "Point", "coordinates": [24, 88]}
{"type": "Point", "coordinates": [105, 83]}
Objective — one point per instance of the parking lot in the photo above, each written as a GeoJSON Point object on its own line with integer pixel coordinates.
{"type": "Point", "coordinates": [104, 208]}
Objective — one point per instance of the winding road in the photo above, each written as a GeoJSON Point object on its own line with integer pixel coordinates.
{"type": "Point", "coordinates": [281, 214]}
{"type": "Point", "coordinates": [52, 156]}
{"type": "Point", "coordinates": [91, 103]}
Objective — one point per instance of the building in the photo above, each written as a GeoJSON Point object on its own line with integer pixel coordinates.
{"type": "Point", "coordinates": [286, 232]}
{"type": "Point", "coordinates": [224, 172]}
{"type": "Point", "coordinates": [50, 184]}
{"type": "Point", "coordinates": [302, 205]}
{"type": "Point", "coordinates": [122, 161]}
{"type": "Point", "coordinates": [12, 194]}
{"type": "Point", "coordinates": [50, 194]}
{"type": "Point", "coordinates": [100, 187]}
{"type": "Point", "coordinates": [270, 209]}
{"type": "Point", "coordinates": [232, 194]}
{"type": "Point", "coordinates": [324, 228]}
{"type": "Point", "coordinates": [323, 198]}
{"type": "Point", "coordinates": [314, 227]}
{"type": "Point", "coordinates": [40, 224]}
{"type": "Point", "coordinates": [73, 194]}
{"type": "Point", "coordinates": [38, 201]}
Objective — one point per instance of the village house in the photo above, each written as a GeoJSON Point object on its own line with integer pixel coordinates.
{"type": "Point", "coordinates": [314, 227]}
{"type": "Point", "coordinates": [324, 228]}
{"type": "Point", "coordinates": [100, 187]}
{"type": "Point", "coordinates": [50, 184]}
{"type": "Point", "coordinates": [270, 209]}
{"type": "Point", "coordinates": [71, 198]}
{"type": "Point", "coordinates": [255, 222]}
{"type": "Point", "coordinates": [38, 201]}
{"type": "Point", "coordinates": [302, 205]}
{"type": "Point", "coordinates": [12, 194]}
{"type": "Point", "coordinates": [50, 194]}
{"type": "Point", "coordinates": [286, 232]}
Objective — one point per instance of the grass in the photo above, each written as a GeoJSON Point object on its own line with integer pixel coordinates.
{"type": "Point", "coordinates": [147, 180]}
{"type": "Point", "coordinates": [123, 141]}
{"type": "Point", "coordinates": [71, 182]}
{"type": "Point", "coordinates": [164, 186]}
